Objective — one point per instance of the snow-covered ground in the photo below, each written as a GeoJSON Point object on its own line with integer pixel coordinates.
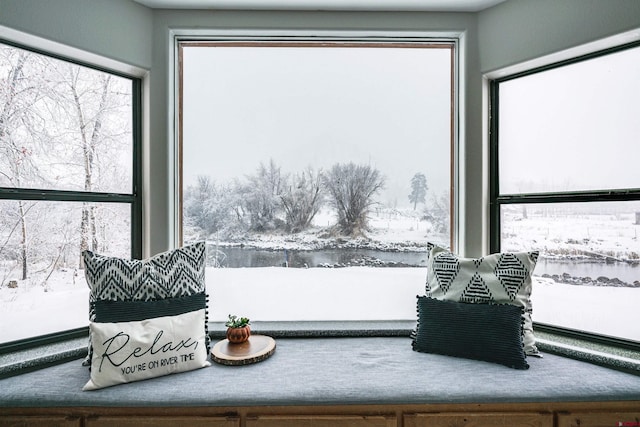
{"type": "Point", "coordinates": [356, 292]}
{"type": "Point", "coordinates": [352, 293]}
{"type": "Point", "coordinates": [581, 236]}
{"type": "Point", "coordinates": [603, 310]}
{"type": "Point", "coordinates": [32, 309]}
{"type": "Point", "coordinates": [273, 293]}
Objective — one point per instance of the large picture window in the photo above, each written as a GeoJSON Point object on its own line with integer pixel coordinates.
{"type": "Point", "coordinates": [565, 144]}
{"type": "Point", "coordinates": [69, 182]}
{"type": "Point", "coordinates": [316, 171]}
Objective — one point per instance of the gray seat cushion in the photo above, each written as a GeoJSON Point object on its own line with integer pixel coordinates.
{"type": "Point", "coordinates": [317, 371]}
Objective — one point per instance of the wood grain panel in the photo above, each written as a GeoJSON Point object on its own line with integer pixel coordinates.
{"type": "Point", "coordinates": [322, 421]}
{"type": "Point", "coordinates": [600, 419]}
{"type": "Point", "coordinates": [159, 421]}
{"type": "Point", "coordinates": [40, 421]}
{"type": "Point", "coordinates": [479, 420]}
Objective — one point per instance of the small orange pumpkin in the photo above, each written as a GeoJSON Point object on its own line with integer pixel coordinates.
{"type": "Point", "coordinates": [238, 335]}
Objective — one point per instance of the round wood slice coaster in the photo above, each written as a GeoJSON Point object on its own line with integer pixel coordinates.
{"type": "Point", "coordinates": [256, 349]}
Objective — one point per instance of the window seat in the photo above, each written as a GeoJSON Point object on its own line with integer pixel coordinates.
{"type": "Point", "coordinates": [333, 371]}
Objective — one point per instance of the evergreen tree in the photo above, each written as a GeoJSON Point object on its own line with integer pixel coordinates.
{"type": "Point", "coordinates": [418, 189]}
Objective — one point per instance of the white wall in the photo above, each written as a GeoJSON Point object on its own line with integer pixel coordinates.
{"type": "Point", "coordinates": [116, 29]}
{"type": "Point", "coordinates": [507, 34]}
{"type": "Point", "coordinates": [519, 30]}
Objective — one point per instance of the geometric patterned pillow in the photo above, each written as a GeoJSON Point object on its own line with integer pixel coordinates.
{"type": "Point", "coordinates": [502, 278]}
{"type": "Point", "coordinates": [175, 273]}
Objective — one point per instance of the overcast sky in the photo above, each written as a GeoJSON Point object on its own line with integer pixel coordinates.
{"type": "Point", "coordinates": [572, 128]}
{"type": "Point", "coordinates": [386, 107]}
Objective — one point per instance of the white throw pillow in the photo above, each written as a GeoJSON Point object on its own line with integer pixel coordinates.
{"type": "Point", "coordinates": [131, 351]}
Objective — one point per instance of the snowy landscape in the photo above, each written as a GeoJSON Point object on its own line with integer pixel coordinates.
{"type": "Point", "coordinates": [355, 292]}
{"type": "Point", "coordinates": [343, 238]}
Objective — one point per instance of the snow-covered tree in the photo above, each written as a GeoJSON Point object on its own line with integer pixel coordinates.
{"type": "Point", "coordinates": [209, 207]}
{"type": "Point", "coordinates": [301, 199]}
{"type": "Point", "coordinates": [261, 197]}
{"type": "Point", "coordinates": [351, 191]}
{"type": "Point", "coordinates": [93, 103]}
{"type": "Point", "coordinates": [18, 95]}
{"type": "Point", "coordinates": [439, 213]}
{"type": "Point", "coordinates": [62, 127]}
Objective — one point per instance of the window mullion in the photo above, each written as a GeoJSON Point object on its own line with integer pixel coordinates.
{"type": "Point", "coordinates": [572, 196]}
{"type": "Point", "coordinates": [63, 196]}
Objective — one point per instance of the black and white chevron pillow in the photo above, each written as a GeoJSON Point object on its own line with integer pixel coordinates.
{"type": "Point", "coordinates": [502, 278]}
{"type": "Point", "coordinates": [172, 274]}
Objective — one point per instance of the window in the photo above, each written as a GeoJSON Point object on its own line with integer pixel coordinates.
{"type": "Point", "coordinates": [316, 170]}
{"type": "Point", "coordinates": [565, 182]}
{"type": "Point", "coordinates": [69, 180]}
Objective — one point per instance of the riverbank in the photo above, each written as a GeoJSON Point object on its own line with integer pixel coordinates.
{"type": "Point", "coordinates": [568, 279]}
{"type": "Point", "coordinates": [390, 230]}
{"type": "Point", "coordinates": [584, 262]}
{"type": "Point", "coordinates": [314, 242]}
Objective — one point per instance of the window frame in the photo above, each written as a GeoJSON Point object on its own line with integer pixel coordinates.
{"type": "Point", "coordinates": [134, 199]}
{"type": "Point", "coordinates": [317, 39]}
{"type": "Point", "coordinates": [452, 40]}
{"type": "Point", "coordinates": [497, 199]}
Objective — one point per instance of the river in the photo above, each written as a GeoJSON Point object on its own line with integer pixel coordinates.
{"type": "Point", "coordinates": [236, 257]}
{"type": "Point", "coordinates": [627, 272]}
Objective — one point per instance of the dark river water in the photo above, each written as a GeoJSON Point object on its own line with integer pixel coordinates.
{"type": "Point", "coordinates": [235, 257]}
{"type": "Point", "coordinates": [621, 270]}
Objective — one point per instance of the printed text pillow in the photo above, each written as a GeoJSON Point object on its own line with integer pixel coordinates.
{"type": "Point", "coordinates": [150, 339]}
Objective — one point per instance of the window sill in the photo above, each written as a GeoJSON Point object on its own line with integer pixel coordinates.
{"type": "Point", "coordinates": [22, 361]}
{"type": "Point", "coordinates": [599, 354]}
